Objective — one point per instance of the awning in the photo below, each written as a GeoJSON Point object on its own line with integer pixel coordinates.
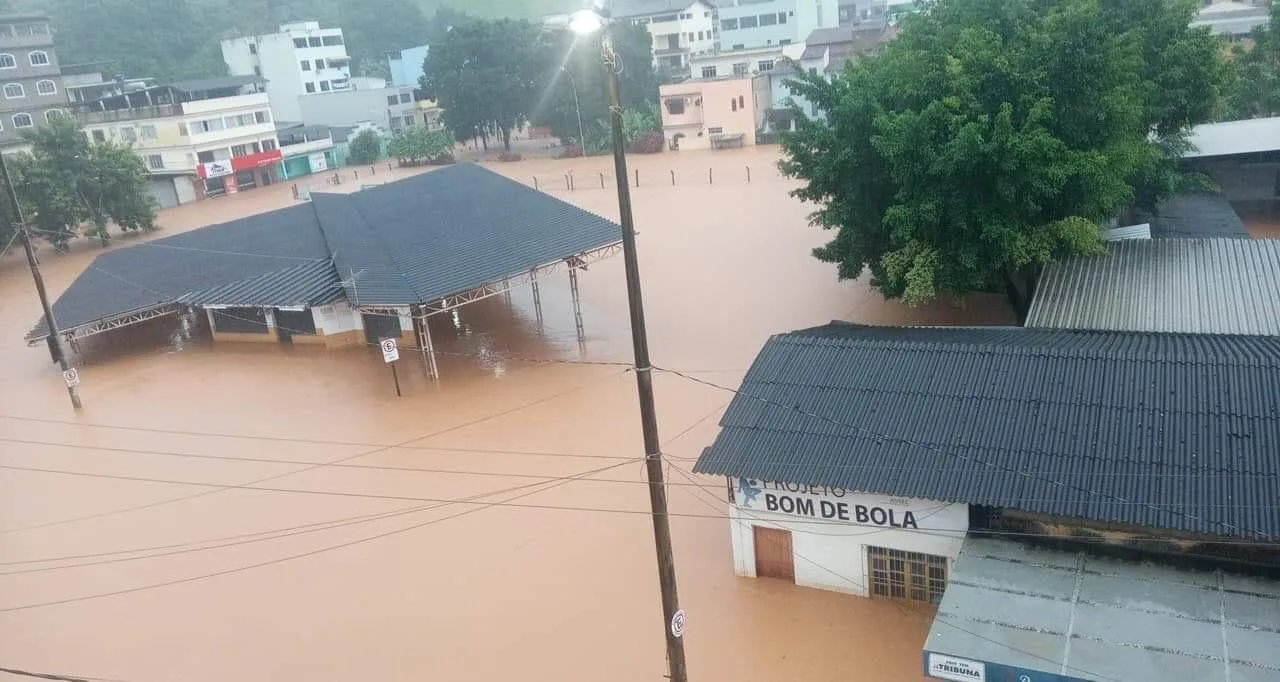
{"type": "Point", "coordinates": [1024, 614]}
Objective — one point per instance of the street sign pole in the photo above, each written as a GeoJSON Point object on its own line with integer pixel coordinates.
{"type": "Point", "coordinates": [396, 378]}
{"type": "Point", "coordinates": [391, 353]}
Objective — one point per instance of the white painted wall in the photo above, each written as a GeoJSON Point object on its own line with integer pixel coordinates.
{"type": "Point", "coordinates": [831, 555]}
{"type": "Point", "coordinates": [185, 187]}
{"type": "Point", "coordinates": [336, 318]}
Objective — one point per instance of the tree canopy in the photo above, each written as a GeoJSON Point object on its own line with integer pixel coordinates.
{"type": "Point", "coordinates": [1257, 71]}
{"type": "Point", "coordinates": [994, 136]}
{"type": "Point", "coordinates": [365, 148]}
{"type": "Point", "coordinates": [68, 185]}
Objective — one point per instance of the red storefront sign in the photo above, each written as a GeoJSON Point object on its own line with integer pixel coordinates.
{"type": "Point", "coordinates": [252, 161]}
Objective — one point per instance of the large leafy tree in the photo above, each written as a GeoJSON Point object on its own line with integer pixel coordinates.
{"type": "Point", "coordinates": [1257, 63]}
{"type": "Point", "coordinates": [577, 62]}
{"type": "Point", "coordinates": [365, 148]}
{"type": "Point", "coordinates": [68, 185]}
{"type": "Point", "coordinates": [487, 74]}
{"type": "Point", "coordinates": [993, 136]}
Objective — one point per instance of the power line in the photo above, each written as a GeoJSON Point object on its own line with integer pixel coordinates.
{"type": "Point", "coordinates": [930, 448]}
{"type": "Point", "coordinates": [319, 465]}
{"type": "Point", "coordinates": [291, 557]}
{"type": "Point", "coordinates": [936, 617]}
{"type": "Point", "coordinates": [54, 676]}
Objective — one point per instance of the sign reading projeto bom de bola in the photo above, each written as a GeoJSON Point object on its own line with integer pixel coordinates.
{"type": "Point", "coordinates": [837, 504]}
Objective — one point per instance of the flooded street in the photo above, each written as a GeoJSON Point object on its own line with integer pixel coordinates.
{"type": "Point", "coordinates": [253, 513]}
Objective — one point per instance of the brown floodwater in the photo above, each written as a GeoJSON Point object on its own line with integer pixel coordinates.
{"type": "Point", "coordinates": [357, 571]}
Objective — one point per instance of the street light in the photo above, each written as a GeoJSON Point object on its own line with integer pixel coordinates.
{"type": "Point", "coordinates": [584, 23]}
{"type": "Point", "coordinates": [582, 139]}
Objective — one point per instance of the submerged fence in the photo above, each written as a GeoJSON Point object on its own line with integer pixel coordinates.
{"type": "Point", "coordinates": [575, 180]}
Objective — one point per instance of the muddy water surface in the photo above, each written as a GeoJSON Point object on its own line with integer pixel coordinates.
{"type": "Point", "coordinates": [256, 562]}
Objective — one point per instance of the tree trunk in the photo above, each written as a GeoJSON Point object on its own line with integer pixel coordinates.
{"type": "Point", "coordinates": [506, 139]}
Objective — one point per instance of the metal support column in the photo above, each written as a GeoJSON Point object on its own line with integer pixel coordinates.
{"type": "Point", "coordinates": [506, 291]}
{"type": "Point", "coordinates": [577, 309]}
{"type": "Point", "coordinates": [429, 348]}
{"type": "Point", "coordinates": [537, 298]}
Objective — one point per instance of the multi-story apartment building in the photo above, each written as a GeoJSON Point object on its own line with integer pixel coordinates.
{"type": "Point", "coordinates": [385, 108]}
{"type": "Point", "coordinates": [746, 24]}
{"type": "Point", "coordinates": [300, 59]}
{"type": "Point", "coordinates": [406, 65]}
{"type": "Point", "coordinates": [198, 138]}
{"type": "Point", "coordinates": [680, 28]}
{"type": "Point", "coordinates": [30, 85]}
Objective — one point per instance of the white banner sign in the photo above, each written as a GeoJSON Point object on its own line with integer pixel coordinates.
{"type": "Point", "coordinates": [218, 169]}
{"type": "Point", "coordinates": [837, 504]}
{"type": "Point", "coordinates": [958, 669]}
{"type": "Point", "coordinates": [318, 162]}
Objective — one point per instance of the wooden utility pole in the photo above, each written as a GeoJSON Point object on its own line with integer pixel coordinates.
{"type": "Point", "coordinates": [55, 341]}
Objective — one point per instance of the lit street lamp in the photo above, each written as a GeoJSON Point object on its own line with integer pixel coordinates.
{"type": "Point", "coordinates": [584, 23]}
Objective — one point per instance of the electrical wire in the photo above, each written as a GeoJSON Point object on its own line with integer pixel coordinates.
{"type": "Point", "coordinates": [1056, 481]}
{"type": "Point", "coordinates": [329, 548]}
{"type": "Point", "coordinates": [340, 460]}
{"type": "Point", "coordinates": [54, 676]}
{"type": "Point", "coordinates": [937, 617]}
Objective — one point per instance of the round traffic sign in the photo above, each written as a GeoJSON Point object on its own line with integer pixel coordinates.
{"type": "Point", "coordinates": [677, 623]}
{"type": "Point", "coordinates": [388, 345]}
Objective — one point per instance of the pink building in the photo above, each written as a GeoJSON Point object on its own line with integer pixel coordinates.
{"type": "Point", "coordinates": [701, 114]}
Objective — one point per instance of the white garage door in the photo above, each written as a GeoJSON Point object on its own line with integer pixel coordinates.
{"type": "Point", "coordinates": [166, 196]}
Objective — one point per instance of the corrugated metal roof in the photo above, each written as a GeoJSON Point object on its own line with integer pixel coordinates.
{"type": "Point", "coordinates": [215, 83]}
{"type": "Point", "coordinates": [305, 284]}
{"type": "Point", "coordinates": [1194, 286]}
{"type": "Point", "coordinates": [1115, 234]}
{"type": "Point", "coordinates": [1197, 215]}
{"type": "Point", "coordinates": [1155, 430]}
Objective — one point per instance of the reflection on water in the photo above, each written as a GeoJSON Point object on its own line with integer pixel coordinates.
{"type": "Point", "coordinates": [498, 593]}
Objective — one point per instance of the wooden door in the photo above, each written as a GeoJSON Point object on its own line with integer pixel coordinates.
{"type": "Point", "coordinates": [774, 558]}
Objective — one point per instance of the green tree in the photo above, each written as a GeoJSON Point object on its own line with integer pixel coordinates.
{"type": "Point", "coordinates": [365, 148]}
{"type": "Point", "coordinates": [993, 136]}
{"type": "Point", "coordinates": [1257, 71]}
{"type": "Point", "coordinates": [416, 145]}
{"type": "Point", "coordinates": [583, 67]}
{"type": "Point", "coordinates": [487, 74]}
{"type": "Point", "coordinates": [68, 185]}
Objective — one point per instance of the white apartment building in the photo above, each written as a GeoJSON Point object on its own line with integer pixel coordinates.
{"type": "Point", "coordinates": [300, 59]}
{"type": "Point", "coordinates": [746, 24]}
{"type": "Point", "coordinates": [198, 138]}
{"type": "Point", "coordinates": [680, 28]}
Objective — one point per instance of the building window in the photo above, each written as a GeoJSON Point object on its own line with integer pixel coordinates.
{"type": "Point", "coordinates": [715, 130]}
{"type": "Point", "coordinates": [665, 17]}
{"type": "Point", "coordinates": [742, 102]}
{"type": "Point", "coordinates": [262, 116]}
{"type": "Point", "coordinates": [729, 25]}
{"type": "Point", "coordinates": [906, 575]}
{"type": "Point", "coordinates": [408, 120]}
{"type": "Point", "coordinates": [46, 87]}
{"type": "Point", "coordinates": [406, 97]}
{"type": "Point", "coordinates": [733, 104]}
{"type": "Point", "coordinates": [748, 22]}
{"type": "Point", "coordinates": [741, 68]}
{"type": "Point", "coordinates": [128, 134]}
{"type": "Point", "coordinates": [14, 91]}
{"type": "Point", "coordinates": [306, 65]}
{"type": "Point", "coordinates": [675, 105]}
{"type": "Point", "coordinates": [740, 46]}
{"type": "Point", "coordinates": [257, 71]}
{"type": "Point", "coordinates": [99, 135]}
{"type": "Point", "coordinates": [324, 86]}
{"type": "Point", "coordinates": [314, 41]}
{"type": "Point", "coordinates": [52, 115]}
{"type": "Point", "coordinates": [392, 99]}
{"type": "Point", "coordinates": [709, 72]}
{"type": "Point", "coordinates": [208, 125]}
{"type": "Point", "coordinates": [182, 129]}
{"type": "Point", "coordinates": [8, 62]}
{"type": "Point", "coordinates": [299, 42]}
{"type": "Point", "coordinates": [331, 40]}
{"type": "Point", "coordinates": [319, 64]}
{"type": "Point", "coordinates": [206, 157]}
{"type": "Point", "coordinates": [782, 19]}
{"type": "Point", "coordinates": [38, 58]}
{"type": "Point", "coordinates": [764, 65]}
{"type": "Point", "coordinates": [239, 150]}
{"type": "Point", "coordinates": [148, 132]}
{"type": "Point", "coordinates": [699, 35]}
{"type": "Point", "coordinates": [768, 19]}
{"type": "Point", "coordinates": [311, 87]}
{"type": "Point", "coordinates": [257, 147]}
{"type": "Point", "coordinates": [784, 41]}
{"type": "Point", "coordinates": [268, 145]}
{"type": "Point", "coordinates": [253, 48]}
{"type": "Point", "coordinates": [22, 121]}
{"type": "Point", "coordinates": [155, 162]}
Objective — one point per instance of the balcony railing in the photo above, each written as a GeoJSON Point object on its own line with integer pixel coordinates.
{"type": "Point", "coordinates": [133, 114]}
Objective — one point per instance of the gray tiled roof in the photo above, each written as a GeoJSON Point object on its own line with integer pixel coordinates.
{"type": "Point", "coordinates": [1197, 215]}
{"type": "Point", "coordinates": [406, 242]}
{"type": "Point", "coordinates": [1154, 430]}
{"type": "Point", "coordinates": [1204, 286]}
{"type": "Point", "coordinates": [216, 83]}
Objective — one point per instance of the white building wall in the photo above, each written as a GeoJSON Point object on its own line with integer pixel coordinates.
{"type": "Point", "coordinates": [831, 554]}
{"type": "Point", "coordinates": [276, 58]}
{"type": "Point", "coordinates": [336, 319]}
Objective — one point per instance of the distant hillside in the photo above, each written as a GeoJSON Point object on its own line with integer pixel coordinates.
{"type": "Point", "coordinates": [493, 9]}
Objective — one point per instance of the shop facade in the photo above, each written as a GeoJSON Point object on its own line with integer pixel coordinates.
{"type": "Point", "coordinates": [835, 539]}
{"type": "Point", "coordinates": [230, 176]}
{"type": "Point", "coordinates": [308, 163]}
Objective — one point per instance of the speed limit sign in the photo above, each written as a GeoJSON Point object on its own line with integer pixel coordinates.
{"type": "Point", "coordinates": [677, 624]}
{"type": "Point", "coordinates": [390, 353]}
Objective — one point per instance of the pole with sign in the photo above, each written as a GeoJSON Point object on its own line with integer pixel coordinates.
{"type": "Point", "coordinates": [391, 353]}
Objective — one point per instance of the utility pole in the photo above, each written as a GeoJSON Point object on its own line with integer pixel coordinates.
{"type": "Point", "coordinates": [673, 617]}
{"type": "Point", "coordinates": [55, 341]}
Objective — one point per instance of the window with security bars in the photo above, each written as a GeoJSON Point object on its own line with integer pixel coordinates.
{"type": "Point", "coordinates": [914, 576]}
